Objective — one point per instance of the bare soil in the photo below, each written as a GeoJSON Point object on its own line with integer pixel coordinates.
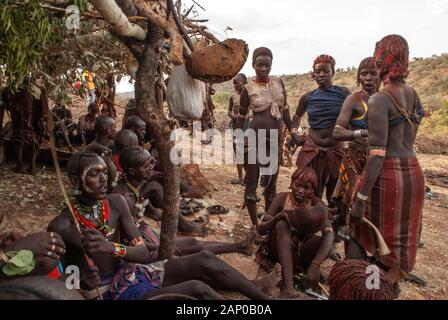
{"type": "Point", "coordinates": [28, 204]}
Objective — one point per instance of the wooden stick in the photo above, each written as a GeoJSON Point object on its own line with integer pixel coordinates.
{"type": "Point", "coordinates": [324, 289]}
{"type": "Point", "coordinates": [54, 156]}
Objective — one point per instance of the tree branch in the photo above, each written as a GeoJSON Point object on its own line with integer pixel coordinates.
{"type": "Point", "coordinates": [177, 43]}
{"type": "Point", "coordinates": [118, 20]}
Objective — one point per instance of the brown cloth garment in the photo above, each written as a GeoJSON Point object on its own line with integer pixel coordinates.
{"type": "Point", "coordinates": [325, 161]}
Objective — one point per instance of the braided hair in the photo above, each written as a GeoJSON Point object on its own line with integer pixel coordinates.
{"type": "Point", "coordinates": [392, 58]}
{"type": "Point", "coordinates": [325, 58]}
{"type": "Point", "coordinates": [348, 278]}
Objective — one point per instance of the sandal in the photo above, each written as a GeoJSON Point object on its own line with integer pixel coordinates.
{"type": "Point", "coordinates": [187, 212]}
{"type": "Point", "coordinates": [194, 205]}
{"type": "Point", "coordinates": [218, 210]}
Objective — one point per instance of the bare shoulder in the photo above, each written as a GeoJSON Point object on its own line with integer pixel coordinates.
{"type": "Point", "coordinates": [120, 189]}
{"type": "Point", "coordinates": [119, 202]}
{"type": "Point", "coordinates": [280, 200]}
{"type": "Point", "coordinates": [352, 99]}
{"type": "Point", "coordinates": [62, 224]}
{"type": "Point", "coordinates": [318, 203]}
{"type": "Point", "coordinates": [379, 102]}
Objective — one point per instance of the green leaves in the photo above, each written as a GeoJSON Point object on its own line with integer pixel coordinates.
{"type": "Point", "coordinates": [20, 263]}
{"type": "Point", "coordinates": [25, 31]}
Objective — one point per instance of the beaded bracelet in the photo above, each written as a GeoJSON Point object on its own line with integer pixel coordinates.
{"type": "Point", "coordinates": [120, 250]}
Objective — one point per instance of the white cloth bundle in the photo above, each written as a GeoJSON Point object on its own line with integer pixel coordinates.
{"type": "Point", "coordinates": [186, 96]}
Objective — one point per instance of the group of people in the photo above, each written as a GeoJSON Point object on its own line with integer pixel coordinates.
{"type": "Point", "coordinates": [117, 183]}
{"type": "Point", "coordinates": [359, 153]}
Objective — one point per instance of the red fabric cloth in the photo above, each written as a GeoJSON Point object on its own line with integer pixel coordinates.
{"type": "Point", "coordinates": [116, 159]}
{"type": "Point", "coordinates": [395, 206]}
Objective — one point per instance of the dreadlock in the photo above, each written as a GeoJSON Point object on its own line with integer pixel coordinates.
{"type": "Point", "coordinates": [367, 63]}
{"type": "Point", "coordinates": [306, 175]}
{"type": "Point", "coordinates": [348, 278]}
{"type": "Point", "coordinates": [324, 58]}
{"type": "Point", "coordinates": [392, 58]}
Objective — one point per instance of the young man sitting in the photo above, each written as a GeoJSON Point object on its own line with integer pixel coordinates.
{"type": "Point", "coordinates": [138, 166]}
{"type": "Point", "coordinates": [128, 272]}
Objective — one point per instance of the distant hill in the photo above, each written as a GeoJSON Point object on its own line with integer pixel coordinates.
{"type": "Point", "coordinates": [429, 77]}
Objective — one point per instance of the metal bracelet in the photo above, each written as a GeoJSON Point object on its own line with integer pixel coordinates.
{"type": "Point", "coordinates": [362, 197]}
{"type": "Point", "coordinates": [358, 134]}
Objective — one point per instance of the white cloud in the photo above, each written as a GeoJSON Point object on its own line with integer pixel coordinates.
{"type": "Point", "coordinates": [437, 7]}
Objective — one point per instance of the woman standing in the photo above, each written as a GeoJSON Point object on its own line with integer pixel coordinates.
{"type": "Point", "coordinates": [352, 125]}
{"type": "Point", "coordinates": [392, 192]}
{"type": "Point", "coordinates": [323, 105]}
{"type": "Point", "coordinates": [234, 113]}
{"type": "Point", "coordinates": [266, 98]}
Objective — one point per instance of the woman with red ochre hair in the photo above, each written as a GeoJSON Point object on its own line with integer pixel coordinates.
{"type": "Point", "coordinates": [352, 125]}
{"type": "Point", "coordinates": [392, 192]}
{"type": "Point", "coordinates": [290, 226]}
{"type": "Point", "coordinates": [323, 105]}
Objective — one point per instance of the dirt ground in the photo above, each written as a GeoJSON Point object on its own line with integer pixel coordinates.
{"type": "Point", "coordinates": [27, 204]}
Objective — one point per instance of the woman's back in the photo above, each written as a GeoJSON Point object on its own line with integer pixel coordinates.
{"type": "Point", "coordinates": [404, 115]}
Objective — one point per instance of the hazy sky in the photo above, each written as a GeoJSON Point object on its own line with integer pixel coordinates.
{"type": "Point", "coordinates": [297, 30]}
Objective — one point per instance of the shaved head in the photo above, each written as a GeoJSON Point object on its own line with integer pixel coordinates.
{"type": "Point", "coordinates": [124, 139]}
{"type": "Point", "coordinates": [103, 125]}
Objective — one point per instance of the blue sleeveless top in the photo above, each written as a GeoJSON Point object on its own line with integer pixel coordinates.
{"type": "Point", "coordinates": [362, 121]}
{"type": "Point", "coordinates": [324, 107]}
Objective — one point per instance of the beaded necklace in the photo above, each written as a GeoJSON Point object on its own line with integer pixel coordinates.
{"type": "Point", "coordinates": [96, 217]}
{"type": "Point", "coordinates": [141, 202]}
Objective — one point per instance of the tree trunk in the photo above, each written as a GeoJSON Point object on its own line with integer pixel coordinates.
{"type": "Point", "coordinates": [161, 128]}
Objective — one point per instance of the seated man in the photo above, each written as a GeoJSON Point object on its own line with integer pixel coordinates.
{"type": "Point", "coordinates": [123, 139]}
{"type": "Point", "coordinates": [138, 126]}
{"type": "Point", "coordinates": [153, 191]}
{"type": "Point", "coordinates": [127, 272]}
{"type": "Point", "coordinates": [290, 225]}
{"type": "Point", "coordinates": [63, 125]}
{"type": "Point", "coordinates": [138, 164]}
{"type": "Point", "coordinates": [46, 248]}
{"type": "Point", "coordinates": [105, 131]}
{"type": "Point", "coordinates": [86, 124]}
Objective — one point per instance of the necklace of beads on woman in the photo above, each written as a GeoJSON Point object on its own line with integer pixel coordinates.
{"type": "Point", "coordinates": [141, 202]}
{"type": "Point", "coordinates": [94, 217]}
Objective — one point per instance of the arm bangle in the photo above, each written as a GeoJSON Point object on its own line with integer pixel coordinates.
{"type": "Point", "coordinates": [358, 134]}
{"type": "Point", "coordinates": [362, 197]}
